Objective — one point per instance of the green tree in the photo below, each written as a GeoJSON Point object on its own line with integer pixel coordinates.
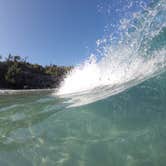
{"type": "Point", "coordinates": [17, 58]}
{"type": "Point", "coordinates": [12, 73]}
{"type": "Point", "coordinates": [9, 58]}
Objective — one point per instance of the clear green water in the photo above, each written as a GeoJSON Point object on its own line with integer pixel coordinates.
{"type": "Point", "coordinates": [128, 129]}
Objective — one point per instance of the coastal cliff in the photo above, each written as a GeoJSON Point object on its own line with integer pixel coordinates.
{"type": "Point", "coordinates": [17, 73]}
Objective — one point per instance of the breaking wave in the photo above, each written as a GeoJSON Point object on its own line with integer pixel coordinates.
{"type": "Point", "coordinates": [136, 54]}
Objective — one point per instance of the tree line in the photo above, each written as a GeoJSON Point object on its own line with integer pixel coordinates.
{"type": "Point", "coordinates": [17, 73]}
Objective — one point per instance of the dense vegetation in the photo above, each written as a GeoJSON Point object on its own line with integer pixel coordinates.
{"type": "Point", "coordinates": [17, 73]}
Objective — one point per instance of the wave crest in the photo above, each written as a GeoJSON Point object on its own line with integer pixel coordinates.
{"type": "Point", "coordinates": [123, 62]}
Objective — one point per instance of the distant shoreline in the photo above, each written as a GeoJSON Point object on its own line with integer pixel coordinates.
{"type": "Point", "coordinates": [20, 91]}
{"type": "Point", "coordinates": [17, 73]}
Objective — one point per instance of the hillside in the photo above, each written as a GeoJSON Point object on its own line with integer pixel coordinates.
{"type": "Point", "coordinates": [17, 73]}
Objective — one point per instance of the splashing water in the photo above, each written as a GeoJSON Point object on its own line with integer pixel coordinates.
{"type": "Point", "coordinates": [132, 56]}
{"type": "Point", "coordinates": [128, 129]}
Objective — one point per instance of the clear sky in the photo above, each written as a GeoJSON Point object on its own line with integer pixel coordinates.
{"type": "Point", "coordinates": [62, 32]}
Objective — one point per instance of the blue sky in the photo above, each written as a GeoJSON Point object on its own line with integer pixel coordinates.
{"type": "Point", "coordinates": [62, 32]}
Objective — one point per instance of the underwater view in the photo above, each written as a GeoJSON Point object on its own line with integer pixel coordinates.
{"type": "Point", "coordinates": [109, 110]}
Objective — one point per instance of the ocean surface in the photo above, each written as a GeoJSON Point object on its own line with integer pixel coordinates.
{"type": "Point", "coordinates": [109, 111]}
{"type": "Point", "coordinates": [126, 129]}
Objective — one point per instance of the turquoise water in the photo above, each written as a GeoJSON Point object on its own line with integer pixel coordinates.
{"type": "Point", "coordinates": [109, 111]}
{"type": "Point", "coordinates": [126, 129]}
